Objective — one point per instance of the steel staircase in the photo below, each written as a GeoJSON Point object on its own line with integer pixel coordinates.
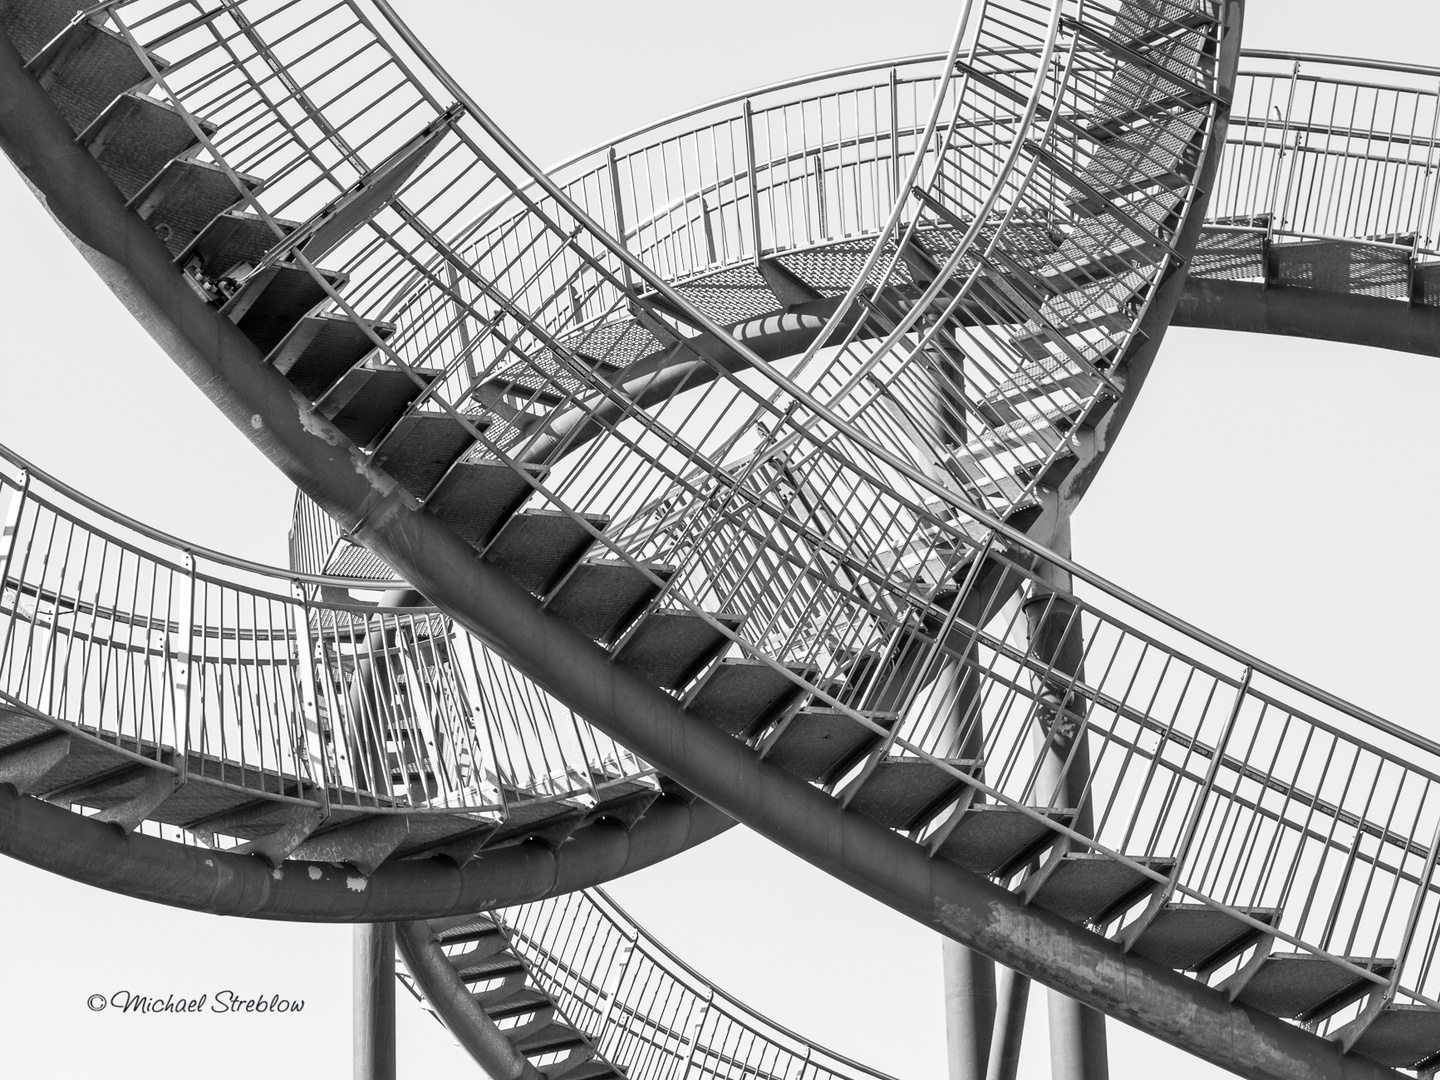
{"type": "Point", "coordinates": [804, 570]}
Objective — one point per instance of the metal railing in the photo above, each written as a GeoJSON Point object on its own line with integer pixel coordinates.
{"type": "Point", "coordinates": [853, 528]}
{"type": "Point", "coordinates": [645, 1009]}
{"type": "Point", "coordinates": [242, 675]}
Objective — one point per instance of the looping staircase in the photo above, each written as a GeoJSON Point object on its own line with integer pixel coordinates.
{"type": "Point", "coordinates": [837, 573]}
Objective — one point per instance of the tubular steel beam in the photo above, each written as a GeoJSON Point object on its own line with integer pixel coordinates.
{"type": "Point", "coordinates": [722, 770]}
{"type": "Point", "coordinates": [148, 868]}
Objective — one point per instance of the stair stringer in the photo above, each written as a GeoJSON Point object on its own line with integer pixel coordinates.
{"type": "Point", "coordinates": [222, 883]}
{"type": "Point", "coordinates": [452, 1001]}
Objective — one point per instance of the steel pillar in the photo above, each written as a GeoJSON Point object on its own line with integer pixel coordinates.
{"type": "Point", "coordinates": [969, 977]}
{"type": "Point", "coordinates": [1012, 998]}
{"type": "Point", "coordinates": [1077, 1033]}
{"type": "Point", "coordinates": [374, 1010]}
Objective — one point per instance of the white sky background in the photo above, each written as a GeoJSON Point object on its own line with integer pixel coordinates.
{"type": "Point", "coordinates": [1279, 493]}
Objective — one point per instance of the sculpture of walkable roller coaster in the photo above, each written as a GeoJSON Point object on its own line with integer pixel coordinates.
{"type": "Point", "coordinates": [722, 474]}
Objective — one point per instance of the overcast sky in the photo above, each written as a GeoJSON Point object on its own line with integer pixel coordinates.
{"type": "Point", "coordinates": [1276, 492]}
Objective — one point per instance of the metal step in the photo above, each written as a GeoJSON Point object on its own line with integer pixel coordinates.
{"type": "Point", "coordinates": [271, 302]}
{"type": "Point", "coordinates": [602, 597]}
{"type": "Point", "coordinates": [494, 967]}
{"type": "Point", "coordinates": [740, 696]}
{"type": "Point", "coordinates": [32, 24]}
{"type": "Point", "coordinates": [483, 948]}
{"type": "Point", "coordinates": [461, 928]}
{"type": "Point", "coordinates": [1090, 888]}
{"type": "Point", "coordinates": [670, 647]}
{"type": "Point", "coordinates": [511, 982]}
{"type": "Point", "coordinates": [1401, 1036]}
{"type": "Point", "coordinates": [591, 1069]}
{"type": "Point", "coordinates": [478, 496]}
{"type": "Point", "coordinates": [1140, 24]}
{"type": "Point", "coordinates": [549, 1039]}
{"type": "Point", "coordinates": [1116, 118]}
{"type": "Point", "coordinates": [1304, 987]}
{"type": "Point", "coordinates": [322, 348]}
{"type": "Point", "coordinates": [535, 547]}
{"type": "Point", "coordinates": [420, 450]}
{"type": "Point", "coordinates": [233, 243]}
{"type": "Point", "coordinates": [1052, 473]}
{"type": "Point", "coordinates": [524, 1001]}
{"type": "Point", "coordinates": [1034, 344]}
{"type": "Point", "coordinates": [186, 197]}
{"type": "Point", "coordinates": [369, 401]}
{"type": "Point", "coordinates": [1194, 937]}
{"type": "Point", "coordinates": [997, 840]}
{"type": "Point", "coordinates": [86, 68]}
{"type": "Point", "coordinates": [135, 137]}
{"type": "Point", "coordinates": [907, 792]}
{"type": "Point", "coordinates": [820, 744]}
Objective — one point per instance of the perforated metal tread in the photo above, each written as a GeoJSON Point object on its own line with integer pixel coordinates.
{"type": "Point", "coordinates": [740, 695]}
{"type": "Point", "coordinates": [819, 744]}
{"type": "Point", "coordinates": [548, 1039]}
{"type": "Point", "coordinates": [322, 348]}
{"type": "Point", "coordinates": [135, 137]}
{"type": "Point", "coordinates": [368, 401]}
{"type": "Point", "coordinates": [1342, 266]}
{"type": "Point", "coordinates": [87, 68]}
{"type": "Point", "coordinates": [1089, 888]}
{"type": "Point", "coordinates": [421, 448]}
{"type": "Point", "coordinates": [271, 302]}
{"type": "Point", "coordinates": [997, 840]}
{"type": "Point", "coordinates": [906, 792]}
{"type": "Point", "coordinates": [602, 597]}
{"type": "Point", "coordinates": [1402, 1037]}
{"type": "Point", "coordinates": [536, 547]}
{"type": "Point", "coordinates": [1193, 937]}
{"type": "Point", "coordinates": [185, 197]}
{"type": "Point", "coordinates": [1301, 986]}
{"type": "Point", "coordinates": [233, 239]}
{"type": "Point", "coordinates": [478, 496]}
{"type": "Point", "coordinates": [670, 647]}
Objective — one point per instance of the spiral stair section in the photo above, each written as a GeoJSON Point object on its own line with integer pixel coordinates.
{"type": "Point", "coordinates": [768, 480]}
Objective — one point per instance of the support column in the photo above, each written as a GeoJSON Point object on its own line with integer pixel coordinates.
{"type": "Point", "coordinates": [969, 977]}
{"type": "Point", "coordinates": [374, 1015]}
{"type": "Point", "coordinates": [1077, 1033]}
{"type": "Point", "coordinates": [1012, 999]}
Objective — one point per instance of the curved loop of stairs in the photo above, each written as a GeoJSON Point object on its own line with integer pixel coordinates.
{"type": "Point", "coordinates": [260, 712]}
{"type": "Point", "coordinates": [882, 692]}
{"type": "Point", "coordinates": [573, 987]}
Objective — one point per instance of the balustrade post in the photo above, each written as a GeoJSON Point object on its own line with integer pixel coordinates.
{"type": "Point", "coordinates": [313, 735]}
{"type": "Point", "coordinates": [185, 672]}
{"type": "Point", "coordinates": [617, 207]}
{"type": "Point", "coordinates": [9, 541]}
{"type": "Point", "coordinates": [692, 1037]}
{"type": "Point", "coordinates": [895, 133]}
{"type": "Point", "coordinates": [750, 173]}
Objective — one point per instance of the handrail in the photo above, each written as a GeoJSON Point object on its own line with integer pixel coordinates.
{"type": "Point", "coordinates": [184, 546]}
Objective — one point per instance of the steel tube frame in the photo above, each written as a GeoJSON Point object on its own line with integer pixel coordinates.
{"type": "Point", "coordinates": [313, 454]}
